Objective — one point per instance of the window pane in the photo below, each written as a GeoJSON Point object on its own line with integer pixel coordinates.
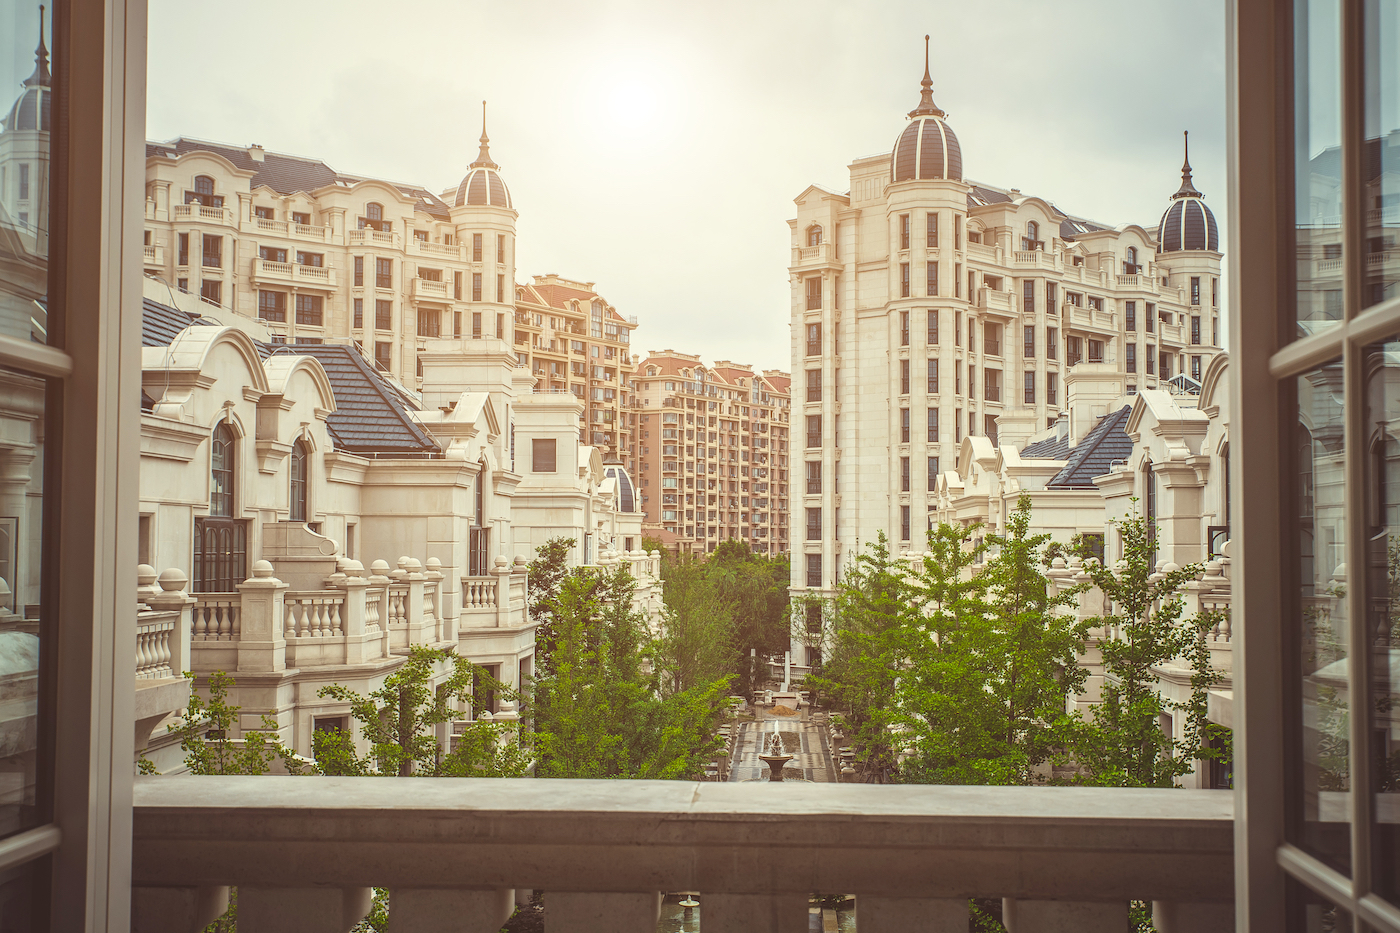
{"type": "Point", "coordinates": [1317, 139]}
{"type": "Point", "coordinates": [24, 174]}
{"type": "Point", "coordinates": [1322, 776]}
{"type": "Point", "coordinates": [1382, 515]}
{"type": "Point", "coordinates": [1381, 158]}
{"type": "Point", "coordinates": [1309, 912]}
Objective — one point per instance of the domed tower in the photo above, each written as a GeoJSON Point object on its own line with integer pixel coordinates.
{"type": "Point", "coordinates": [1188, 255]}
{"type": "Point", "coordinates": [24, 152]}
{"type": "Point", "coordinates": [485, 219]}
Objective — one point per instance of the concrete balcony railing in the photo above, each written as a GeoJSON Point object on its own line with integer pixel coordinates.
{"type": "Point", "coordinates": [368, 236]}
{"type": "Point", "coordinates": [497, 598]}
{"type": "Point", "coordinates": [218, 215]}
{"type": "Point", "coordinates": [1035, 259]}
{"type": "Point", "coordinates": [436, 250]}
{"type": "Point", "coordinates": [429, 290]}
{"type": "Point", "coordinates": [1139, 283]}
{"type": "Point", "coordinates": [997, 301]}
{"type": "Point", "coordinates": [1170, 333]}
{"type": "Point", "coordinates": [154, 256]}
{"type": "Point", "coordinates": [294, 273]}
{"type": "Point", "coordinates": [289, 229]}
{"type": "Point", "coordinates": [810, 255]}
{"type": "Point", "coordinates": [305, 852]}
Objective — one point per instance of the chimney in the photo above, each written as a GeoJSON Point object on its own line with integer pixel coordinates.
{"type": "Point", "coordinates": [255, 152]}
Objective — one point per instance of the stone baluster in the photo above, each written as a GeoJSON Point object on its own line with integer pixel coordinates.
{"type": "Point", "coordinates": [172, 598]}
{"type": "Point", "coordinates": [379, 578]}
{"type": "Point", "coordinates": [262, 645]}
{"type": "Point", "coordinates": [501, 569]}
{"type": "Point", "coordinates": [437, 581]}
{"type": "Point", "coordinates": [351, 579]}
{"type": "Point", "coordinates": [145, 582]}
{"type": "Point", "coordinates": [420, 626]}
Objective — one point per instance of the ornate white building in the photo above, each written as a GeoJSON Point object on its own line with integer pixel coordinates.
{"type": "Point", "coordinates": [927, 308]}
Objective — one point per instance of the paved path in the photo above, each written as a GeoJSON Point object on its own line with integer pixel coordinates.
{"type": "Point", "coordinates": [807, 742]}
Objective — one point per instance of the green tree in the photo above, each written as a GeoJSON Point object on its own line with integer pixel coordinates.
{"type": "Point", "coordinates": [1122, 743]}
{"type": "Point", "coordinates": [205, 728]}
{"type": "Point", "coordinates": [545, 577]}
{"type": "Point", "coordinates": [401, 721]}
{"type": "Point", "coordinates": [696, 644]}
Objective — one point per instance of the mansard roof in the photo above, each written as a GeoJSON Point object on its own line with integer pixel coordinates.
{"type": "Point", "coordinates": [1050, 448]}
{"type": "Point", "coordinates": [1096, 453]}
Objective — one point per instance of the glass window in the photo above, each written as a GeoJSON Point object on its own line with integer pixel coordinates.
{"type": "Point", "coordinates": [1317, 128]}
{"type": "Point", "coordinates": [1322, 774]}
{"type": "Point", "coordinates": [297, 496]}
{"type": "Point", "coordinates": [1381, 163]}
{"type": "Point", "coordinates": [542, 451]}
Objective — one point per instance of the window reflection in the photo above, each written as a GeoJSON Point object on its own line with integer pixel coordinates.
{"type": "Point", "coordinates": [1318, 159]}
{"type": "Point", "coordinates": [1381, 154]}
{"type": "Point", "coordinates": [1324, 775]}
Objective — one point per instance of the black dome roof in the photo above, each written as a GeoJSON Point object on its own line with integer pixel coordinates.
{"type": "Point", "coordinates": [1188, 223]}
{"type": "Point", "coordinates": [483, 185]}
{"type": "Point", "coordinates": [31, 110]}
{"type": "Point", "coordinates": [926, 149]}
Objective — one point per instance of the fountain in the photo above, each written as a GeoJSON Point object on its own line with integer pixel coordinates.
{"type": "Point", "coordinates": [775, 759]}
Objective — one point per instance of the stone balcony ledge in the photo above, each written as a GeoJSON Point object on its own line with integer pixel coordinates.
{"type": "Point", "coordinates": [1099, 845]}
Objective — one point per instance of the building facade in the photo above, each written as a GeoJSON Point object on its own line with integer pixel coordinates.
{"type": "Point", "coordinates": [321, 256]}
{"type": "Point", "coordinates": [927, 308]}
{"type": "Point", "coordinates": [713, 453]}
{"type": "Point", "coordinates": [574, 341]}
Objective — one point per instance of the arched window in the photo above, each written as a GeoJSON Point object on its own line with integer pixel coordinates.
{"type": "Point", "coordinates": [478, 535]}
{"type": "Point", "coordinates": [1032, 237]}
{"type": "Point", "coordinates": [1130, 264]}
{"type": "Point", "coordinates": [374, 211]}
{"type": "Point", "coordinates": [297, 498]}
{"type": "Point", "coordinates": [814, 235]}
{"type": "Point", "coordinates": [221, 472]}
{"type": "Point", "coordinates": [1149, 499]}
{"type": "Point", "coordinates": [203, 184]}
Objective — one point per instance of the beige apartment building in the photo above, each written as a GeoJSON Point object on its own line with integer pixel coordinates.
{"type": "Point", "coordinates": [713, 453]}
{"type": "Point", "coordinates": [321, 256]}
{"type": "Point", "coordinates": [575, 341]}
{"type": "Point", "coordinates": [927, 307]}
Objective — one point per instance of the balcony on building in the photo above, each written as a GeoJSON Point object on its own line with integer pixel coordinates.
{"type": "Point", "coordinates": [295, 273]}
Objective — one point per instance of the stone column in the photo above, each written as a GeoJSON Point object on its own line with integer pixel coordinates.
{"type": "Point", "coordinates": [172, 598]}
{"type": "Point", "coordinates": [435, 576]}
{"type": "Point", "coordinates": [501, 570]}
{"type": "Point", "coordinates": [261, 643]}
{"type": "Point", "coordinates": [420, 629]}
{"type": "Point", "coordinates": [352, 614]}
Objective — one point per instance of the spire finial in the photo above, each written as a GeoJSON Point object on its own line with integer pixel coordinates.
{"type": "Point", "coordinates": [926, 104]}
{"type": "Point", "coordinates": [1187, 189]}
{"type": "Point", "coordinates": [484, 156]}
{"type": "Point", "coordinates": [41, 76]}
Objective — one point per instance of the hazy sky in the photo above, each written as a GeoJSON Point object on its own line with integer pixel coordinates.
{"type": "Point", "coordinates": [656, 148]}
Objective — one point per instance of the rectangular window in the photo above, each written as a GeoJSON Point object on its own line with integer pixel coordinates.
{"type": "Point", "coordinates": [957, 231]}
{"type": "Point", "coordinates": [1148, 359]}
{"type": "Point", "coordinates": [905, 477]}
{"type": "Point", "coordinates": [476, 330]}
{"type": "Point", "coordinates": [904, 425]}
{"type": "Point", "coordinates": [932, 417]}
{"type": "Point", "coordinates": [213, 252]}
{"type": "Point", "coordinates": [501, 326]}
{"type": "Point", "coordinates": [23, 181]}
{"type": "Point", "coordinates": [814, 340]}
{"type": "Point", "coordinates": [957, 328]}
{"type": "Point", "coordinates": [1028, 296]}
{"type": "Point", "coordinates": [1052, 343]}
{"type": "Point", "coordinates": [814, 430]}
{"type": "Point", "coordinates": [971, 381]}
{"type": "Point", "coordinates": [301, 217]}
{"type": "Point", "coordinates": [932, 327]}
{"type": "Point", "coordinates": [904, 523]}
{"type": "Point", "coordinates": [272, 306]}
{"type": "Point", "coordinates": [1164, 365]}
{"type": "Point", "coordinates": [1030, 387]}
{"type": "Point", "coordinates": [500, 288]}
{"type": "Point", "coordinates": [1028, 341]}
{"type": "Point", "coordinates": [1195, 329]}
{"type": "Point", "coordinates": [317, 260]}
{"type": "Point", "coordinates": [1095, 351]}
{"type": "Point", "coordinates": [814, 570]}
{"type": "Point", "coordinates": [272, 254]}
{"type": "Point", "coordinates": [814, 477]}
{"type": "Point", "coordinates": [1196, 368]}
{"type": "Point", "coordinates": [359, 271]}
{"type": "Point", "coordinates": [184, 258]}
{"type": "Point", "coordinates": [500, 247]}
{"type": "Point", "coordinates": [212, 290]}
{"type": "Point", "coordinates": [1195, 290]}
{"type": "Point", "coordinates": [383, 355]}
{"type": "Point", "coordinates": [1130, 315]}
{"type": "Point", "coordinates": [359, 313]}
{"type": "Point", "coordinates": [264, 213]}
{"type": "Point", "coordinates": [814, 293]}
{"type": "Point", "coordinates": [904, 328]}
{"type": "Point", "coordinates": [1214, 292]}
{"type": "Point", "coordinates": [903, 231]}
{"type": "Point", "coordinates": [957, 280]}
{"type": "Point", "coordinates": [814, 524]}
{"type": "Point", "coordinates": [476, 248]}
{"type": "Point", "coordinates": [1050, 290]}
{"type": "Point", "coordinates": [383, 315]}
{"type": "Point", "coordinates": [904, 280]}
{"type": "Point", "coordinates": [476, 286]}
{"type": "Point", "coordinates": [932, 234]}
{"type": "Point", "coordinates": [542, 454]}
{"type": "Point", "coordinates": [1052, 389]}
{"type": "Point", "coordinates": [309, 310]}
{"type": "Point", "coordinates": [1074, 350]}
{"type": "Point", "coordinates": [1149, 315]}
{"type": "Point", "coordinates": [932, 377]}
{"type": "Point", "coordinates": [814, 385]}
{"type": "Point", "coordinates": [1130, 357]}
{"type": "Point", "coordinates": [903, 377]}
{"type": "Point", "coordinates": [429, 322]}
{"type": "Point", "coordinates": [957, 426]}
{"type": "Point", "coordinates": [989, 428]}
{"type": "Point", "coordinates": [932, 280]}
{"type": "Point", "coordinates": [383, 273]}
{"type": "Point", "coordinates": [932, 473]}
{"type": "Point", "coordinates": [457, 285]}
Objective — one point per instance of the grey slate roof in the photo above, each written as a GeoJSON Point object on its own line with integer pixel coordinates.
{"type": "Point", "coordinates": [1051, 448]}
{"type": "Point", "coordinates": [288, 174]}
{"type": "Point", "coordinates": [1092, 456]}
{"type": "Point", "coordinates": [371, 417]}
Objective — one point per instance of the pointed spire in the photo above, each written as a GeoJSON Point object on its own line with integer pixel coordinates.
{"type": "Point", "coordinates": [41, 76]}
{"type": "Point", "coordinates": [1187, 189]}
{"type": "Point", "coordinates": [926, 104]}
{"type": "Point", "coordinates": [483, 158]}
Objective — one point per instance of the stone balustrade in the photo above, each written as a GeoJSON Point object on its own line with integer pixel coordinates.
{"type": "Point", "coordinates": [497, 599]}
{"type": "Point", "coordinates": [305, 852]}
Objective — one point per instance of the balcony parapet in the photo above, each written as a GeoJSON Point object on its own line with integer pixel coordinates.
{"type": "Point", "coordinates": [218, 215]}
{"type": "Point", "coordinates": [289, 229]}
{"type": "Point", "coordinates": [294, 273]}
{"type": "Point", "coordinates": [608, 848]}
